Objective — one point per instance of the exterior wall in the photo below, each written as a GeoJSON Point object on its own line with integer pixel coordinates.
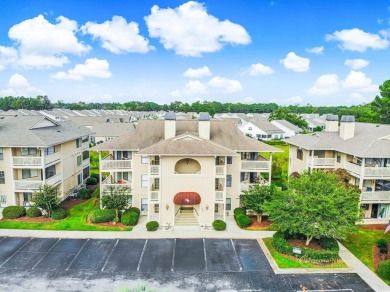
{"type": "Point", "coordinates": [234, 191]}
{"type": "Point", "coordinates": [138, 192]}
{"type": "Point", "coordinates": [7, 188]}
{"type": "Point", "coordinates": [295, 164]}
{"type": "Point", "coordinates": [257, 131]}
{"type": "Point", "coordinates": [287, 132]}
{"type": "Point", "coordinates": [70, 169]}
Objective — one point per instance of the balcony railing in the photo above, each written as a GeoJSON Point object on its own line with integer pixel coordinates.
{"type": "Point", "coordinates": [154, 195]}
{"type": "Point", "coordinates": [245, 186]}
{"type": "Point", "coordinates": [154, 169]}
{"type": "Point", "coordinates": [220, 170]}
{"type": "Point", "coordinates": [323, 162]}
{"type": "Point", "coordinates": [377, 196]}
{"type": "Point", "coordinates": [28, 161]}
{"type": "Point", "coordinates": [377, 171]}
{"type": "Point", "coordinates": [255, 165]}
{"type": "Point", "coordinates": [53, 158]}
{"type": "Point", "coordinates": [108, 164]}
{"type": "Point", "coordinates": [54, 180]}
{"type": "Point", "coordinates": [28, 184]}
{"type": "Point", "coordinates": [218, 196]}
{"type": "Point", "coordinates": [108, 183]}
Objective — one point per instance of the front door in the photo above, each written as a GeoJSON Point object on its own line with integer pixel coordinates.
{"type": "Point", "coordinates": [374, 211]}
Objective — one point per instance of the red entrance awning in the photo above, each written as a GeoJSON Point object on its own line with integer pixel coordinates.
{"type": "Point", "coordinates": [186, 198]}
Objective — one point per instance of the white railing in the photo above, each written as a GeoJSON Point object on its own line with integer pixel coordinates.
{"type": "Point", "coordinates": [154, 195]}
{"type": "Point", "coordinates": [55, 179]}
{"type": "Point", "coordinates": [55, 157]}
{"type": "Point", "coordinates": [28, 184]}
{"type": "Point", "coordinates": [219, 169]}
{"type": "Point", "coordinates": [85, 145]}
{"type": "Point", "coordinates": [377, 196]}
{"type": "Point", "coordinates": [377, 171]}
{"type": "Point", "coordinates": [85, 162]}
{"type": "Point", "coordinates": [154, 169]}
{"type": "Point", "coordinates": [218, 195]}
{"type": "Point", "coordinates": [27, 161]}
{"type": "Point", "coordinates": [352, 167]}
{"type": "Point", "coordinates": [107, 184]}
{"type": "Point", "coordinates": [245, 186]}
{"type": "Point", "coordinates": [255, 165]}
{"type": "Point", "coordinates": [324, 162]}
{"type": "Point", "coordinates": [115, 164]}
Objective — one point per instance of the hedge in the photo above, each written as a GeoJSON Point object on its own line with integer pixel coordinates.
{"type": "Point", "coordinates": [130, 218]}
{"type": "Point", "coordinates": [58, 214]}
{"type": "Point", "coordinates": [101, 215]}
{"type": "Point", "coordinates": [329, 254]}
{"type": "Point", "coordinates": [134, 209]}
{"type": "Point", "coordinates": [13, 212]}
{"type": "Point", "coordinates": [239, 211]}
{"type": "Point", "coordinates": [243, 221]}
{"type": "Point", "coordinates": [33, 212]}
{"type": "Point", "coordinates": [92, 181]}
{"type": "Point", "coordinates": [95, 176]}
{"type": "Point", "coordinates": [84, 194]}
{"type": "Point", "coordinates": [384, 270]}
{"type": "Point", "coordinates": [152, 226]}
{"type": "Point", "coordinates": [382, 244]}
{"type": "Point", "coordinates": [219, 225]}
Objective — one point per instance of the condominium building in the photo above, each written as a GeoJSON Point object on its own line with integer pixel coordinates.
{"type": "Point", "coordinates": [362, 149]}
{"type": "Point", "coordinates": [36, 150]}
{"type": "Point", "coordinates": [184, 172]}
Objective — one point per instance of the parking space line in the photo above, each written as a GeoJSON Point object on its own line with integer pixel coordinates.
{"type": "Point", "coordinates": [46, 253]}
{"type": "Point", "coordinates": [16, 252]}
{"type": "Point", "coordinates": [80, 250]}
{"type": "Point", "coordinates": [173, 255]}
{"type": "Point", "coordinates": [205, 259]}
{"type": "Point", "coordinates": [2, 239]}
{"type": "Point", "coordinates": [235, 252]}
{"type": "Point", "coordinates": [142, 255]}
{"type": "Point", "coordinates": [112, 250]}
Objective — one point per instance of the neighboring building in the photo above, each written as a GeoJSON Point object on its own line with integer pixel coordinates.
{"type": "Point", "coordinates": [103, 132]}
{"type": "Point", "coordinates": [289, 130]}
{"type": "Point", "coordinates": [362, 149]}
{"type": "Point", "coordinates": [36, 150]}
{"type": "Point", "coordinates": [186, 172]}
{"type": "Point", "coordinates": [261, 129]}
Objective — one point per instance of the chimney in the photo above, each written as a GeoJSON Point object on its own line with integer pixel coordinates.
{"type": "Point", "coordinates": [332, 123]}
{"type": "Point", "coordinates": [204, 125]}
{"type": "Point", "coordinates": [170, 125]}
{"type": "Point", "coordinates": [347, 127]}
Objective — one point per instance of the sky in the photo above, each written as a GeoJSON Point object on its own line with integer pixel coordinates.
{"type": "Point", "coordinates": [253, 51]}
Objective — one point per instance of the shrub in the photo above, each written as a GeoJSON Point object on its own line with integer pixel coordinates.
{"type": "Point", "coordinates": [384, 270]}
{"type": "Point", "coordinates": [116, 220]}
{"type": "Point", "coordinates": [243, 221]}
{"type": "Point", "coordinates": [152, 226]}
{"type": "Point", "coordinates": [329, 243]}
{"type": "Point", "coordinates": [239, 211]}
{"type": "Point", "coordinates": [33, 212]}
{"type": "Point", "coordinates": [130, 218]}
{"type": "Point", "coordinates": [95, 175]}
{"type": "Point", "coordinates": [135, 209]}
{"type": "Point", "coordinates": [84, 194]}
{"type": "Point", "coordinates": [383, 245]}
{"type": "Point", "coordinates": [92, 181]}
{"type": "Point", "coordinates": [219, 225]}
{"type": "Point", "coordinates": [58, 214]}
{"type": "Point", "coordinates": [101, 215]}
{"type": "Point", "coordinates": [13, 212]}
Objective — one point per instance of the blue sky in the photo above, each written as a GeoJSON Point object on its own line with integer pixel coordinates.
{"type": "Point", "coordinates": [288, 52]}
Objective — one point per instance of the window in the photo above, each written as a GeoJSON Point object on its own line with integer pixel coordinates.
{"type": "Point", "coordinates": [29, 173]}
{"type": "Point", "coordinates": [229, 160]}
{"type": "Point", "coordinates": [228, 204]}
{"type": "Point", "coordinates": [156, 208]}
{"type": "Point", "coordinates": [86, 172]}
{"type": "Point", "coordinates": [365, 206]}
{"type": "Point", "coordinates": [338, 157]}
{"type": "Point", "coordinates": [78, 143]}
{"type": "Point", "coordinates": [144, 180]}
{"type": "Point", "coordinates": [3, 199]}
{"type": "Point", "coordinates": [126, 154]}
{"type": "Point", "coordinates": [79, 161]}
{"type": "Point", "coordinates": [250, 128]}
{"type": "Point", "coordinates": [1, 153]}
{"type": "Point", "coordinates": [2, 177]}
{"type": "Point", "coordinates": [263, 136]}
{"type": "Point", "coordinates": [27, 197]}
{"type": "Point", "coordinates": [156, 183]}
{"type": "Point", "coordinates": [85, 155]}
{"type": "Point", "coordinates": [228, 180]}
{"type": "Point", "coordinates": [269, 136]}
{"type": "Point", "coordinates": [216, 207]}
{"type": "Point", "coordinates": [50, 150]}
{"type": "Point", "coordinates": [79, 178]}
{"type": "Point", "coordinates": [144, 204]}
{"type": "Point", "coordinates": [144, 159]}
{"type": "Point", "coordinates": [300, 154]}
{"type": "Point", "coordinates": [50, 171]}
{"type": "Point", "coordinates": [125, 176]}
{"type": "Point", "coordinates": [28, 151]}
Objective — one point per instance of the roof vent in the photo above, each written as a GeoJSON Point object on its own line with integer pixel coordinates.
{"type": "Point", "coordinates": [347, 119]}
{"type": "Point", "coordinates": [204, 116]}
{"type": "Point", "coordinates": [332, 118]}
{"type": "Point", "coordinates": [170, 116]}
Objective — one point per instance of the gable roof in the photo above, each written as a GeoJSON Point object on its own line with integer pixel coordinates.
{"type": "Point", "coordinates": [266, 126]}
{"type": "Point", "coordinates": [289, 125]}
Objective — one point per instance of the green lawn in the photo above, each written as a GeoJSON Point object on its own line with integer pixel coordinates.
{"type": "Point", "coordinates": [284, 262]}
{"type": "Point", "coordinates": [361, 243]}
{"type": "Point", "coordinates": [76, 220]}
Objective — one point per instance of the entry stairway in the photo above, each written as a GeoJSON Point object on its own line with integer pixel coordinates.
{"type": "Point", "coordinates": [186, 218]}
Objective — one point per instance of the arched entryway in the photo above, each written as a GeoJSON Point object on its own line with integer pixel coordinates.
{"type": "Point", "coordinates": [187, 208]}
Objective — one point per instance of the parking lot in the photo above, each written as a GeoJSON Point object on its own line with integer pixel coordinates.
{"type": "Point", "coordinates": [172, 264]}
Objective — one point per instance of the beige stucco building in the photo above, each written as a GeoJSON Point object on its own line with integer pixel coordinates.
{"type": "Point", "coordinates": [187, 172]}
{"type": "Point", "coordinates": [362, 149]}
{"type": "Point", "coordinates": [35, 150]}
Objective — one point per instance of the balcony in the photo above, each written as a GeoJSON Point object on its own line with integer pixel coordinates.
{"type": "Point", "coordinates": [255, 166]}
{"type": "Point", "coordinates": [53, 158]}
{"type": "Point", "coordinates": [154, 169]}
{"type": "Point", "coordinates": [54, 180]}
{"type": "Point", "coordinates": [85, 163]}
{"type": "Point", "coordinates": [219, 196]}
{"type": "Point", "coordinates": [220, 170]}
{"type": "Point", "coordinates": [377, 196]}
{"type": "Point", "coordinates": [108, 164]}
{"type": "Point", "coordinates": [246, 186]}
{"type": "Point", "coordinates": [353, 167]}
{"type": "Point", "coordinates": [110, 183]}
{"type": "Point", "coordinates": [369, 171]}
{"type": "Point", "coordinates": [323, 162]}
{"type": "Point", "coordinates": [28, 185]}
{"type": "Point", "coordinates": [154, 195]}
{"type": "Point", "coordinates": [27, 161]}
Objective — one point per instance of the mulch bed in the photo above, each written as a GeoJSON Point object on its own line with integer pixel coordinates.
{"type": "Point", "coordinates": [302, 243]}
{"type": "Point", "coordinates": [71, 203]}
{"type": "Point", "coordinates": [378, 258]}
{"type": "Point", "coordinates": [259, 225]}
{"type": "Point", "coordinates": [111, 224]}
{"type": "Point", "coordinates": [39, 219]}
{"type": "Point", "coordinates": [374, 226]}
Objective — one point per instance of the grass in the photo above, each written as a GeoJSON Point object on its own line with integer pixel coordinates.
{"type": "Point", "coordinates": [76, 220]}
{"type": "Point", "coordinates": [279, 163]}
{"type": "Point", "coordinates": [361, 243]}
{"type": "Point", "coordinates": [285, 262]}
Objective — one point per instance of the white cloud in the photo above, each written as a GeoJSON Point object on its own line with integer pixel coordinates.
{"type": "Point", "coordinates": [176, 93]}
{"type": "Point", "coordinates": [358, 40]}
{"type": "Point", "coordinates": [292, 100]}
{"type": "Point", "coordinates": [248, 100]}
{"type": "Point", "coordinates": [8, 55]}
{"type": "Point", "coordinates": [358, 80]}
{"type": "Point", "coordinates": [18, 85]}
{"type": "Point", "coordinates": [43, 44]}
{"type": "Point", "coordinates": [316, 50]}
{"type": "Point", "coordinates": [358, 98]}
{"type": "Point", "coordinates": [259, 69]}
{"type": "Point", "coordinates": [118, 36]}
{"type": "Point", "coordinates": [325, 85]}
{"type": "Point", "coordinates": [190, 31]}
{"type": "Point", "coordinates": [356, 64]}
{"type": "Point", "coordinates": [194, 86]}
{"type": "Point", "coordinates": [295, 63]}
{"type": "Point", "coordinates": [198, 72]}
{"type": "Point", "coordinates": [91, 68]}
{"type": "Point", "coordinates": [385, 32]}
{"type": "Point", "coordinates": [229, 85]}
